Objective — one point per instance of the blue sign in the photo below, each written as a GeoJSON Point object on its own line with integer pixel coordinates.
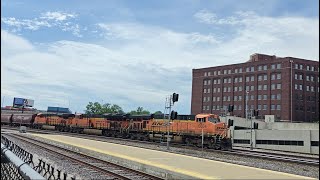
{"type": "Point", "coordinates": [18, 101]}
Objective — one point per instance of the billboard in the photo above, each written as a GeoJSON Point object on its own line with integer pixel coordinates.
{"type": "Point", "coordinates": [58, 109]}
{"type": "Point", "coordinates": [23, 102]}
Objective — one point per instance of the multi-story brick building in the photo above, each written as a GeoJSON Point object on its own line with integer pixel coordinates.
{"type": "Point", "coordinates": [268, 81]}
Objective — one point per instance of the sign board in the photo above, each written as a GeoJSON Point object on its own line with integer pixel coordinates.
{"type": "Point", "coordinates": [23, 102]}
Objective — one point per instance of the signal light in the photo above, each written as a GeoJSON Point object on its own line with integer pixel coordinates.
{"type": "Point", "coordinates": [175, 97]}
{"type": "Point", "coordinates": [255, 125]}
{"type": "Point", "coordinates": [173, 115]}
{"type": "Point", "coordinates": [230, 122]}
{"type": "Point", "coordinates": [230, 108]}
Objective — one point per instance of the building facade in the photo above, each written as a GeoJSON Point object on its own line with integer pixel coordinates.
{"type": "Point", "coordinates": [286, 87]}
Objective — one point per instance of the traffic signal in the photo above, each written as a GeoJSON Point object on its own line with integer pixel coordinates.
{"type": "Point", "coordinates": [230, 108]}
{"type": "Point", "coordinates": [255, 125]}
{"type": "Point", "coordinates": [175, 97]}
{"type": "Point", "coordinates": [173, 115]}
{"type": "Point", "coordinates": [230, 122]}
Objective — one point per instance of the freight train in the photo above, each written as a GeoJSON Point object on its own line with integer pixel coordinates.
{"type": "Point", "coordinates": [186, 129]}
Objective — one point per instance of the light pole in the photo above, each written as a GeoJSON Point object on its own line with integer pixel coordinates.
{"type": "Point", "coordinates": [291, 61]}
{"type": "Point", "coordinates": [247, 95]}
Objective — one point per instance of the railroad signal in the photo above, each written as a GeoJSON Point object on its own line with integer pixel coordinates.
{"type": "Point", "coordinates": [255, 112]}
{"type": "Point", "coordinates": [230, 123]}
{"type": "Point", "coordinates": [173, 115]}
{"type": "Point", "coordinates": [255, 125]}
{"type": "Point", "coordinates": [175, 97]}
{"type": "Point", "coordinates": [230, 108]}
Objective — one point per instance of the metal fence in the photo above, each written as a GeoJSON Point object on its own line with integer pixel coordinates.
{"type": "Point", "coordinates": [14, 162]}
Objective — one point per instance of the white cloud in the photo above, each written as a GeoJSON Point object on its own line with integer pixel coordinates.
{"type": "Point", "coordinates": [57, 16]}
{"type": "Point", "coordinates": [46, 20]}
{"type": "Point", "coordinates": [138, 65]}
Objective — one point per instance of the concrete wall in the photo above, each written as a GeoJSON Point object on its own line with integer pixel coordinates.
{"type": "Point", "coordinates": [289, 135]}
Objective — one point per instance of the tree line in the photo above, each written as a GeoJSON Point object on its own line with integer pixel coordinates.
{"type": "Point", "coordinates": [107, 108]}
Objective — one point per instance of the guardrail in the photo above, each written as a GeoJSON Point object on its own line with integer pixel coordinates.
{"type": "Point", "coordinates": [16, 163]}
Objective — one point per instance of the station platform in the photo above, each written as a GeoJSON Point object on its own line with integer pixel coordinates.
{"type": "Point", "coordinates": [165, 164]}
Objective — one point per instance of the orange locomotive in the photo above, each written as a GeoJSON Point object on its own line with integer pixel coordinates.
{"type": "Point", "coordinates": [142, 127]}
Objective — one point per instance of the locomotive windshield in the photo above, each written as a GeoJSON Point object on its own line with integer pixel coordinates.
{"type": "Point", "coordinates": [213, 120]}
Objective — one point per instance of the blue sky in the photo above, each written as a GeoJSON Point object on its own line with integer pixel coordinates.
{"type": "Point", "coordinates": [134, 53]}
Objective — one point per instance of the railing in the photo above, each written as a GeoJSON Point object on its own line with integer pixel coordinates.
{"type": "Point", "coordinates": [16, 163]}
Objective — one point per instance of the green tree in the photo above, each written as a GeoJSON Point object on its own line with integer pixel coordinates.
{"type": "Point", "coordinates": [97, 108]}
{"type": "Point", "coordinates": [158, 112]}
{"type": "Point", "coordinates": [139, 111]}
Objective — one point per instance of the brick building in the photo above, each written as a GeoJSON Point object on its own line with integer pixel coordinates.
{"type": "Point", "coordinates": [267, 82]}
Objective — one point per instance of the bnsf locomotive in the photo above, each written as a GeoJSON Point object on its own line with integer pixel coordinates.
{"type": "Point", "coordinates": [187, 129]}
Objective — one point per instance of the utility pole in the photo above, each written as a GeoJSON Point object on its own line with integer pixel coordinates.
{"type": "Point", "coordinates": [168, 106]}
{"type": "Point", "coordinates": [247, 95]}
{"type": "Point", "coordinates": [291, 61]}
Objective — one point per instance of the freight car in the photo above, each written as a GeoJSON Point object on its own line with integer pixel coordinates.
{"type": "Point", "coordinates": [188, 129]}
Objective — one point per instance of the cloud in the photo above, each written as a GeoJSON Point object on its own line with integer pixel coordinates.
{"type": "Point", "coordinates": [139, 65]}
{"type": "Point", "coordinates": [57, 16]}
{"type": "Point", "coordinates": [46, 20]}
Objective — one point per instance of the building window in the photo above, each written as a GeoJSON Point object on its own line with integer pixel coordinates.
{"type": "Point", "coordinates": [205, 73]}
{"type": "Point", "coordinates": [296, 66]}
{"type": "Point", "coordinates": [308, 68]}
{"type": "Point", "coordinates": [229, 80]}
{"type": "Point", "coordinates": [209, 73]}
{"type": "Point", "coordinates": [209, 82]}
{"type": "Point", "coordinates": [280, 142]}
{"type": "Point", "coordinates": [213, 107]}
{"type": "Point", "coordinates": [273, 96]}
{"type": "Point", "coordinates": [218, 90]}
{"type": "Point", "coordinates": [265, 107]}
{"type": "Point", "coordinates": [265, 87]}
{"type": "Point", "coordinates": [273, 66]}
{"type": "Point", "coordinates": [240, 107]}
{"type": "Point", "coordinates": [278, 76]}
{"type": "Point", "coordinates": [235, 71]}
{"type": "Point", "coordinates": [240, 98]}
{"type": "Point", "coordinates": [308, 78]}
{"type": "Point", "coordinates": [229, 98]}
{"type": "Point", "coordinates": [241, 141]}
{"type": "Point", "coordinates": [300, 87]}
{"type": "Point", "coordinates": [314, 143]}
{"type": "Point", "coordinates": [312, 68]}
{"type": "Point", "coordinates": [300, 77]}
{"type": "Point", "coordinates": [240, 79]}
{"type": "Point", "coordinates": [273, 76]}
{"type": "Point", "coordinates": [265, 67]}
{"type": "Point", "coordinates": [278, 86]}
{"type": "Point", "coordinates": [259, 97]}
{"type": "Point", "coordinates": [218, 81]}
{"type": "Point", "coordinates": [225, 80]}
{"type": "Point", "coordinates": [259, 106]}
{"type": "Point", "coordinates": [214, 73]}
{"type": "Point", "coordinates": [265, 97]}
{"type": "Point", "coordinates": [278, 107]}
{"type": "Point", "coordinates": [235, 107]}
{"type": "Point", "coordinates": [308, 88]}
{"type": "Point", "coordinates": [272, 107]}
{"type": "Point", "coordinates": [252, 107]}
{"type": "Point", "coordinates": [252, 78]}
{"type": "Point", "coordinates": [247, 79]}
{"type": "Point", "coordinates": [252, 97]}
{"type": "Point", "coordinates": [259, 68]}
{"type": "Point", "coordinates": [224, 89]}
{"type": "Point", "coordinates": [259, 87]}
{"type": "Point", "coordinates": [265, 77]}
{"type": "Point", "coordinates": [224, 98]}
{"type": "Point", "coordinates": [312, 89]}
{"type": "Point", "coordinates": [235, 80]}
{"type": "Point", "coordinates": [208, 90]}
{"type": "Point", "coordinates": [278, 66]}
{"type": "Point", "coordinates": [213, 99]}
{"type": "Point", "coordinates": [240, 70]}
{"type": "Point", "coordinates": [204, 90]}
{"type": "Point", "coordinates": [296, 86]}
{"type": "Point", "coordinates": [260, 78]}
{"type": "Point", "coordinates": [229, 71]}
{"type": "Point", "coordinates": [229, 89]}
{"type": "Point", "coordinates": [219, 72]}
{"type": "Point", "coordinates": [247, 88]}
{"type": "Point", "coordinates": [240, 88]}
{"type": "Point", "coordinates": [218, 107]}
{"type": "Point", "coordinates": [218, 98]}
{"type": "Point", "coordinates": [204, 108]}
{"type": "Point", "coordinates": [301, 66]}
{"type": "Point", "coordinates": [225, 71]}
{"type": "Point", "coordinates": [252, 88]}
{"type": "Point", "coordinates": [278, 96]}
{"type": "Point", "coordinates": [312, 78]}
{"type": "Point", "coordinates": [235, 89]}
{"type": "Point", "coordinates": [235, 98]}
{"type": "Point", "coordinates": [295, 76]}
{"type": "Point", "coordinates": [273, 86]}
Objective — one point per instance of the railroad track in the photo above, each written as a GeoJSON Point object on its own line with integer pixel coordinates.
{"type": "Point", "coordinates": [105, 169]}
{"type": "Point", "coordinates": [314, 161]}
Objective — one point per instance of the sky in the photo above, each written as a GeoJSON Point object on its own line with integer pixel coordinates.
{"type": "Point", "coordinates": [136, 53]}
